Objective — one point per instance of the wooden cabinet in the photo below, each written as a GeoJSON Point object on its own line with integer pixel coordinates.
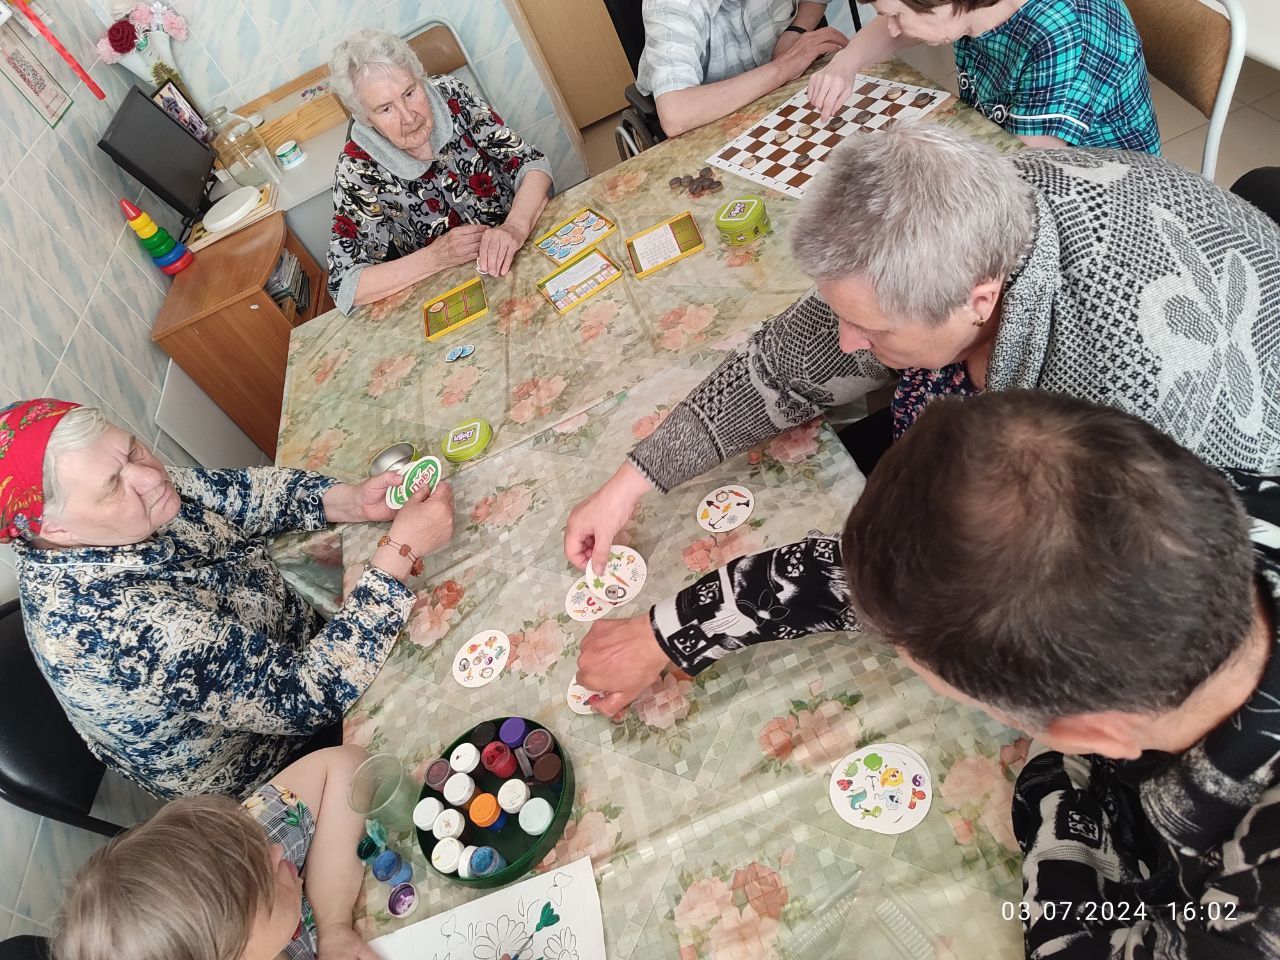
{"type": "Point", "coordinates": [220, 326]}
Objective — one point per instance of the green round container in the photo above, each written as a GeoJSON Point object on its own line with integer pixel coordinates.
{"type": "Point", "coordinates": [742, 220]}
{"type": "Point", "coordinates": [467, 440]}
{"type": "Point", "coordinates": [521, 851]}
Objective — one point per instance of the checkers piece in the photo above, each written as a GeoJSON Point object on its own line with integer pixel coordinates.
{"type": "Point", "coordinates": [893, 93]}
{"type": "Point", "coordinates": [781, 136]}
{"type": "Point", "coordinates": [705, 173]}
{"type": "Point", "coordinates": [862, 117]}
{"type": "Point", "coordinates": [835, 123]}
{"type": "Point", "coordinates": [750, 162]}
{"type": "Point", "coordinates": [922, 100]}
{"type": "Point", "coordinates": [686, 180]}
{"type": "Point", "coordinates": [801, 161]}
{"type": "Point", "coordinates": [804, 131]}
{"type": "Point", "coordinates": [675, 183]}
{"type": "Point", "coordinates": [716, 186]}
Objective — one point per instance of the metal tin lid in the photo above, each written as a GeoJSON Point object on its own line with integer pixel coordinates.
{"type": "Point", "coordinates": [467, 440]}
{"type": "Point", "coordinates": [741, 213]}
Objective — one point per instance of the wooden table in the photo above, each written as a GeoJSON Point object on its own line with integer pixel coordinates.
{"type": "Point", "coordinates": [223, 329]}
{"type": "Point", "coordinates": [706, 810]}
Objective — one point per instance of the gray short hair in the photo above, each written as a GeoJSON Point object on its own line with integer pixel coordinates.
{"type": "Point", "coordinates": [76, 430]}
{"type": "Point", "coordinates": [363, 51]}
{"type": "Point", "coordinates": [920, 212]}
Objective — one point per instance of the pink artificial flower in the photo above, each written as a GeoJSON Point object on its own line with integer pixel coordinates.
{"type": "Point", "coordinates": [174, 25]}
{"type": "Point", "coordinates": [142, 16]}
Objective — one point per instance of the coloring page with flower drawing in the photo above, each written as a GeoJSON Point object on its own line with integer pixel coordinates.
{"type": "Point", "coordinates": [552, 916]}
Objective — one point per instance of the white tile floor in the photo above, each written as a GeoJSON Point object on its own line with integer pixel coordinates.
{"type": "Point", "coordinates": [1251, 137]}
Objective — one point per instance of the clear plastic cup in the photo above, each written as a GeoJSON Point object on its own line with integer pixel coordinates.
{"type": "Point", "coordinates": [382, 790]}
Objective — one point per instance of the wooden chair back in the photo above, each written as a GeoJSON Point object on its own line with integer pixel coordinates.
{"type": "Point", "coordinates": [1186, 45]}
{"type": "Point", "coordinates": [438, 49]}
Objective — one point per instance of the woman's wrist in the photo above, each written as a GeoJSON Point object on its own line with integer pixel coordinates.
{"type": "Point", "coordinates": [389, 561]}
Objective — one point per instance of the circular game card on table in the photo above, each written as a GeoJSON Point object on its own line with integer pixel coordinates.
{"type": "Point", "coordinates": [725, 508]}
{"type": "Point", "coordinates": [482, 658]}
{"type": "Point", "coordinates": [884, 787]}
{"type": "Point", "coordinates": [623, 576]}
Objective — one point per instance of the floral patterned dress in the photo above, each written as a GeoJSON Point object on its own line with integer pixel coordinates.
{"type": "Point", "coordinates": [387, 204]}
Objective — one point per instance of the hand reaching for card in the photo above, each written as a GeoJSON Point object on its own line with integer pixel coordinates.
{"type": "Point", "coordinates": [497, 247]}
{"type": "Point", "coordinates": [593, 523]}
{"type": "Point", "coordinates": [621, 658]}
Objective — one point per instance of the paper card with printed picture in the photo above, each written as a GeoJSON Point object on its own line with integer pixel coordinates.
{"type": "Point", "coordinates": [884, 787]}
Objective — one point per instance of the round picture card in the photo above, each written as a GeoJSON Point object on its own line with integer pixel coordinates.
{"type": "Point", "coordinates": [623, 577]}
{"type": "Point", "coordinates": [481, 659]}
{"type": "Point", "coordinates": [725, 508]}
{"type": "Point", "coordinates": [884, 787]}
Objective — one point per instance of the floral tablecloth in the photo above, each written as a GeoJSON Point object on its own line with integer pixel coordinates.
{"type": "Point", "coordinates": [705, 811]}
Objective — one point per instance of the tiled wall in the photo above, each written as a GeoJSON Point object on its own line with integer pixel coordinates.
{"type": "Point", "coordinates": [79, 295]}
{"type": "Point", "coordinates": [240, 49]}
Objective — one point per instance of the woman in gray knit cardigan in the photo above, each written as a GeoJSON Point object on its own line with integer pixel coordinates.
{"type": "Point", "coordinates": [942, 267]}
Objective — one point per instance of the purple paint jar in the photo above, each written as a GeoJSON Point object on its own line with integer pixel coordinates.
{"type": "Point", "coordinates": [538, 743]}
{"type": "Point", "coordinates": [438, 774]}
{"type": "Point", "coordinates": [513, 731]}
{"type": "Point", "coordinates": [403, 900]}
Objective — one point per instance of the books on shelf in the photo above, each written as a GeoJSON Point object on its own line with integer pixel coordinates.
{"type": "Point", "coordinates": [288, 281]}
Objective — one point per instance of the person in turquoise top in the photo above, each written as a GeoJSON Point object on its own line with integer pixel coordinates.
{"type": "Point", "coordinates": [1052, 72]}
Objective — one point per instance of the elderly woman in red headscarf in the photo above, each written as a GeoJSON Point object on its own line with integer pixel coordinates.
{"type": "Point", "coordinates": [172, 641]}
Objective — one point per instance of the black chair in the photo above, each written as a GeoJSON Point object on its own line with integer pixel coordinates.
{"type": "Point", "coordinates": [1261, 187]}
{"type": "Point", "coordinates": [44, 765]}
{"type": "Point", "coordinates": [25, 947]}
{"type": "Point", "coordinates": [638, 126]}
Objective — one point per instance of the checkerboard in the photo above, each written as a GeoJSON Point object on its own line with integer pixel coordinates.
{"type": "Point", "coordinates": [757, 156]}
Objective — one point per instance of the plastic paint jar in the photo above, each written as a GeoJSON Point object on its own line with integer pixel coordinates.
{"type": "Point", "coordinates": [483, 734]}
{"type": "Point", "coordinates": [486, 813]}
{"type": "Point", "coordinates": [486, 861]}
{"type": "Point", "coordinates": [386, 864]}
{"type": "Point", "coordinates": [464, 863]}
{"type": "Point", "coordinates": [537, 743]}
{"type": "Point", "coordinates": [548, 769]}
{"type": "Point", "coordinates": [498, 759]}
{"type": "Point", "coordinates": [465, 758]}
{"type": "Point", "coordinates": [513, 795]}
{"type": "Point", "coordinates": [513, 731]}
{"type": "Point", "coordinates": [425, 813]}
{"type": "Point", "coordinates": [459, 790]}
{"type": "Point", "coordinates": [535, 817]}
{"type": "Point", "coordinates": [438, 774]}
{"type": "Point", "coordinates": [446, 855]}
{"type": "Point", "coordinates": [449, 824]}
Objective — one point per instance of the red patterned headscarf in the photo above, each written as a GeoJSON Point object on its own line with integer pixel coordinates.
{"type": "Point", "coordinates": [25, 428]}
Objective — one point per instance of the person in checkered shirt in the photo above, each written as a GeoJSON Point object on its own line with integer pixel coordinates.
{"type": "Point", "coordinates": [1052, 72]}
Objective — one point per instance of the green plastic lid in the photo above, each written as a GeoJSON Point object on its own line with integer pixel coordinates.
{"type": "Point", "coordinates": [467, 440]}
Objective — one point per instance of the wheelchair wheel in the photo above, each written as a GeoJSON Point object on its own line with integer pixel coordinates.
{"type": "Point", "coordinates": [632, 135]}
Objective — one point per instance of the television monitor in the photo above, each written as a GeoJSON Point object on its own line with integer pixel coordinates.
{"type": "Point", "coordinates": [157, 152]}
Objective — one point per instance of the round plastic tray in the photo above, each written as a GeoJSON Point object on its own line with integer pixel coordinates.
{"type": "Point", "coordinates": [521, 851]}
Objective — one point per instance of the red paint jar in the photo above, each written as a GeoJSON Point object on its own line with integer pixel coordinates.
{"type": "Point", "coordinates": [498, 759]}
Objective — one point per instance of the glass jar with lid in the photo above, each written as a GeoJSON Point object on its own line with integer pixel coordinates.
{"type": "Point", "coordinates": [241, 149]}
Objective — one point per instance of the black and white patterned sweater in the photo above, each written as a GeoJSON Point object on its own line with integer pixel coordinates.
{"type": "Point", "coordinates": [1170, 857]}
{"type": "Point", "coordinates": [1147, 289]}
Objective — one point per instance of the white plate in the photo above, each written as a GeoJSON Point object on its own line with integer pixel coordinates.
{"type": "Point", "coordinates": [231, 209]}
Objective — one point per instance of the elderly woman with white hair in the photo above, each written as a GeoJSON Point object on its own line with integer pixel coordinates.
{"type": "Point", "coordinates": [431, 177]}
{"type": "Point", "coordinates": [943, 268]}
{"type": "Point", "coordinates": [172, 641]}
